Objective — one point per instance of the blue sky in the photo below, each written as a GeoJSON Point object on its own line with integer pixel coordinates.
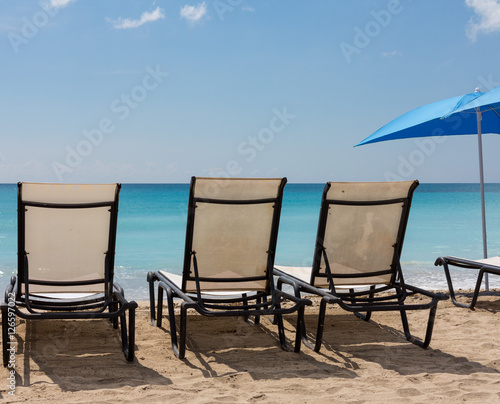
{"type": "Point", "coordinates": [158, 91]}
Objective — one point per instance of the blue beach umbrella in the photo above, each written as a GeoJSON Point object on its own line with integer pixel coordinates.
{"type": "Point", "coordinates": [453, 116]}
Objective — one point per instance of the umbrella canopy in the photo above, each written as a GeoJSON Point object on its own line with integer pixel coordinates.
{"type": "Point", "coordinates": [489, 105]}
{"type": "Point", "coordinates": [453, 116]}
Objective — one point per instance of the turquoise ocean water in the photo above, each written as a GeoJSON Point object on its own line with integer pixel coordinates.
{"type": "Point", "coordinates": [445, 219]}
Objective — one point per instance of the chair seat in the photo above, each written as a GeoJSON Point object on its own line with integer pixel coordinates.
{"type": "Point", "coordinates": [485, 266]}
{"type": "Point", "coordinates": [304, 274]}
{"type": "Point", "coordinates": [65, 296]}
{"type": "Point", "coordinates": [493, 261]}
{"type": "Point", "coordinates": [177, 280]}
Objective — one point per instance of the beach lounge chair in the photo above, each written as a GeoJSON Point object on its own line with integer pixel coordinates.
{"type": "Point", "coordinates": [356, 261]}
{"type": "Point", "coordinates": [66, 252]}
{"type": "Point", "coordinates": [232, 229]}
{"type": "Point", "coordinates": [485, 266]}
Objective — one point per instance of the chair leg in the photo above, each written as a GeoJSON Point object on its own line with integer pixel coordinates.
{"type": "Point", "coordinates": [301, 324]}
{"type": "Point", "coordinates": [406, 327]}
{"type": "Point", "coordinates": [428, 334]}
{"type": "Point", "coordinates": [303, 334]}
{"type": "Point", "coordinates": [273, 319]}
{"type": "Point", "coordinates": [321, 325]}
{"type": "Point", "coordinates": [114, 320]}
{"type": "Point", "coordinates": [368, 315]}
{"type": "Point", "coordinates": [278, 318]}
{"type": "Point", "coordinates": [256, 319]}
{"type": "Point", "coordinates": [159, 315]}
{"type": "Point", "coordinates": [299, 328]}
{"type": "Point", "coordinates": [257, 316]}
{"type": "Point", "coordinates": [178, 344]}
{"type": "Point", "coordinates": [151, 282]}
{"type": "Point", "coordinates": [182, 333]}
{"type": "Point", "coordinates": [430, 327]}
{"type": "Point", "coordinates": [246, 317]}
{"type": "Point", "coordinates": [478, 288]}
{"type": "Point", "coordinates": [128, 342]}
{"type": "Point", "coordinates": [452, 290]}
{"type": "Point", "coordinates": [302, 331]}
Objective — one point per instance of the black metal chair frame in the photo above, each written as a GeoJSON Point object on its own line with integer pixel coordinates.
{"type": "Point", "coordinates": [483, 268]}
{"type": "Point", "coordinates": [111, 304]}
{"type": "Point", "coordinates": [389, 297]}
{"type": "Point", "coordinates": [256, 304]}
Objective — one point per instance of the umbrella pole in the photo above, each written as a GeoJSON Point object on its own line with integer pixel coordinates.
{"type": "Point", "coordinates": [481, 179]}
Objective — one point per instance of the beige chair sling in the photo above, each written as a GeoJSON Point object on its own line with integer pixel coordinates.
{"type": "Point", "coordinates": [356, 260]}
{"type": "Point", "coordinates": [66, 252]}
{"type": "Point", "coordinates": [232, 229]}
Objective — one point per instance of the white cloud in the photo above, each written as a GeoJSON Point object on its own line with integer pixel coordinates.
{"type": "Point", "coordinates": [194, 13]}
{"type": "Point", "coordinates": [487, 17]}
{"type": "Point", "coordinates": [59, 3]}
{"type": "Point", "coordinates": [248, 8]}
{"type": "Point", "coordinates": [127, 23]}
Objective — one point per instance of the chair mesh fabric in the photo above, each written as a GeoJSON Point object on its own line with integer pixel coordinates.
{"type": "Point", "coordinates": [66, 244]}
{"type": "Point", "coordinates": [232, 240]}
{"type": "Point", "coordinates": [361, 239]}
{"type": "Point", "coordinates": [68, 193]}
{"type": "Point", "coordinates": [236, 188]}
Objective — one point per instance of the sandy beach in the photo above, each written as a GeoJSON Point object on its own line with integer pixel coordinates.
{"type": "Point", "coordinates": [231, 361]}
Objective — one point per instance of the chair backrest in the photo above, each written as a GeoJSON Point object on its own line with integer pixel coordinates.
{"type": "Point", "coordinates": [66, 237]}
{"type": "Point", "coordinates": [361, 231]}
{"type": "Point", "coordinates": [231, 236]}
